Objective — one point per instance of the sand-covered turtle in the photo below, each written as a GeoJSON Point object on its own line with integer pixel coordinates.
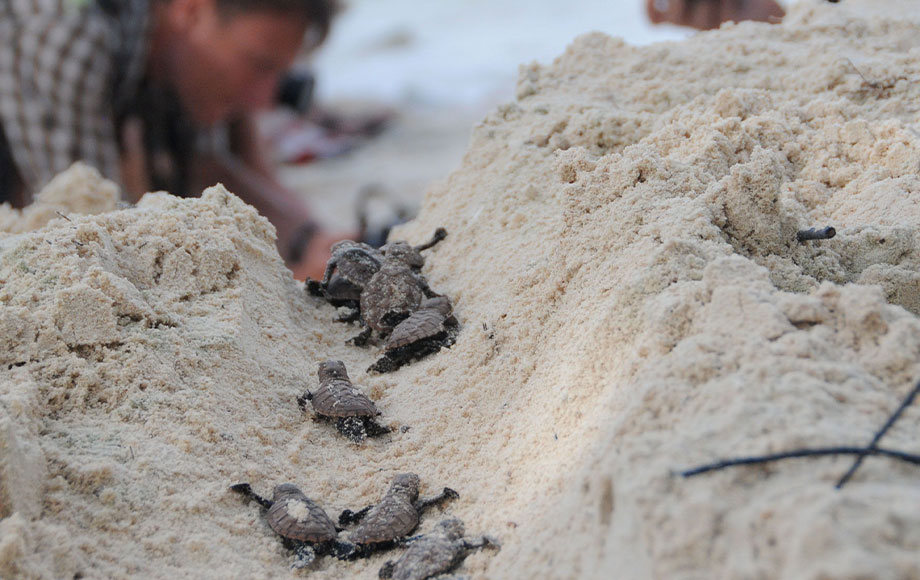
{"type": "Point", "coordinates": [338, 399]}
{"type": "Point", "coordinates": [382, 525]}
{"type": "Point", "coordinates": [434, 553]}
{"type": "Point", "coordinates": [303, 526]}
{"type": "Point", "coordinates": [395, 292]}
{"type": "Point", "coordinates": [353, 264]}
{"type": "Point", "coordinates": [423, 332]}
{"type": "Point", "coordinates": [350, 267]}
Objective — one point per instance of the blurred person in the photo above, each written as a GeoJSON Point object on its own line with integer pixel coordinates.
{"type": "Point", "coordinates": [709, 14]}
{"type": "Point", "coordinates": [156, 94]}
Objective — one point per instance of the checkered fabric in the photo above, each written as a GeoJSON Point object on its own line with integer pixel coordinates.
{"type": "Point", "coordinates": [68, 68]}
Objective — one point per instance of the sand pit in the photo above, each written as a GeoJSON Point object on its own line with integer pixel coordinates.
{"type": "Point", "coordinates": [622, 256]}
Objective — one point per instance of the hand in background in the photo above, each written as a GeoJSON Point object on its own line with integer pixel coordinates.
{"type": "Point", "coordinates": [312, 263]}
{"type": "Point", "coordinates": [708, 14]}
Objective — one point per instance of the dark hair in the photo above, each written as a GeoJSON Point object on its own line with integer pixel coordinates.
{"type": "Point", "coordinates": [318, 13]}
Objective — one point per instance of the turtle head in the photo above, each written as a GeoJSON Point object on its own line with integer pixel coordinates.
{"type": "Point", "coordinates": [439, 304]}
{"type": "Point", "coordinates": [284, 491]}
{"type": "Point", "coordinates": [405, 485]}
{"type": "Point", "coordinates": [404, 253]}
{"type": "Point", "coordinates": [451, 528]}
{"type": "Point", "coordinates": [332, 369]}
{"type": "Point", "coordinates": [350, 251]}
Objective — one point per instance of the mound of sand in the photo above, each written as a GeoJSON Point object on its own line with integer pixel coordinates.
{"type": "Point", "coordinates": [622, 256]}
{"type": "Point", "coordinates": [80, 190]}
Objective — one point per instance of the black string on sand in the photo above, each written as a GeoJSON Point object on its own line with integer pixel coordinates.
{"type": "Point", "coordinates": [881, 433]}
{"type": "Point", "coordinates": [859, 452]}
{"type": "Point", "coordinates": [722, 464]}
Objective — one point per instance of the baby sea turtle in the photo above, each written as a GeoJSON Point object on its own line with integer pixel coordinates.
{"type": "Point", "coordinates": [437, 552]}
{"type": "Point", "coordinates": [395, 292]}
{"type": "Point", "coordinates": [382, 525]}
{"type": "Point", "coordinates": [337, 398]}
{"type": "Point", "coordinates": [353, 264]}
{"type": "Point", "coordinates": [350, 267]}
{"type": "Point", "coordinates": [303, 526]}
{"type": "Point", "coordinates": [424, 332]}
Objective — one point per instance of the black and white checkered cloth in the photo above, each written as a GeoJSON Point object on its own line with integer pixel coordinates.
{"type": "Point", "coordinates": [68, 69]}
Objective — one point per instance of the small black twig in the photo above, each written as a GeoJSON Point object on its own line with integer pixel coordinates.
{"type": "Point", "coordinates": [816, 234]}
{"type": "Point", "coordinates": [908, 400]}
{"type": "Point", "coordinates": [861, 451]}
{"type": "Point", "coordinates": [63, 216]}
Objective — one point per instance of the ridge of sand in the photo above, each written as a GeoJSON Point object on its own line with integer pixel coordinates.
{"type": "Point", "coordinates": [79, 190]}
{"type": "Point", "coordinates": [622, 256]}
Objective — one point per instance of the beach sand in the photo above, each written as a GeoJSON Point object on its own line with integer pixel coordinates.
{"type": "Point", "coordinates": [622, 257]}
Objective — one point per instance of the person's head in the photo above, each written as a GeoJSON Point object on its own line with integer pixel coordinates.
{"type": "Point", "coordinates": [224, 57]}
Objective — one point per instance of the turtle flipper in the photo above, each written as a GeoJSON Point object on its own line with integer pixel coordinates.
{"type": "Point", "coordinates": [349, 517]}
{"type": "Point", "coordinates": [373, 428]}
{"type": "Point", "coordinates": [361, 338]}
{"type": "Point", "coordinates": [352, 427]}
{"type": "Point", "coordinates": [439, 234]}
{"type": "Point", "coordinates": [344, 550]}
{"type": "Point", "coordinates": [304, 555]}
{"type": "Point", "coordinates": [445, 495]}
{"type": "Point", "coordinates": [314, 288]}
{"type": "Point", "coordinates": [246, 490]}
{"type": "Point", "coordinates": [386, 571]}
{"type": "Point", "coordinates": [353, 315]}
{"type": "Point", "coordinates": [385, 364]}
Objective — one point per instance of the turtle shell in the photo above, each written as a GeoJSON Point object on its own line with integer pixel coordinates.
{"type": "Point", "coordinates": [293, 515]}
{"type": "Point", "coordinates": [394, 517]}
{"type": "Point", "coordinates": [421, 324]}
{"type": "Point", "coordinates": [393, 293]}
{"type": "Point", "coordinates": [433, 553]}
{"type": "Point", "coordinates": [337, 397]}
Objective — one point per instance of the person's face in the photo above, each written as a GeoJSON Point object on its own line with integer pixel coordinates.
{"type": "Point", "coordinates": [224, 65]}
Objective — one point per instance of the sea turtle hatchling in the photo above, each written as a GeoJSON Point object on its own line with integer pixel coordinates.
{"type": "Point", "coordinates": [434, 553]}
{"type": "Point", "coordinates": [383, 525]}
{"type": "Point", "coordinates": [394, 293]}
{"type": "Point", "coordinates": [350, 267]}
{"type": "Point", "coordinates": [303, 526]}
{"type": "Point", "coordinates": [353, 264]}
{"type": "Point", "coordinates": [424, 332]}
{"type": "Point", "coordinates": [337, 398]}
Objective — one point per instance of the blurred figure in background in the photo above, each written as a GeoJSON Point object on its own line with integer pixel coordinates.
{"type": "Point", "coordinates": [156, 94]}
{"type": "Point", "coordinates": [709, 14]}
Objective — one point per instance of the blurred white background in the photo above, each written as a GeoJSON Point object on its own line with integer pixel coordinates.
{"type": "Point", "coordinates": [461, 52]}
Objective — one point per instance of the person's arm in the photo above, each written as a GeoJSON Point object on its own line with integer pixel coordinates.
{"type": "Point", "coordinates": [708, 14]}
